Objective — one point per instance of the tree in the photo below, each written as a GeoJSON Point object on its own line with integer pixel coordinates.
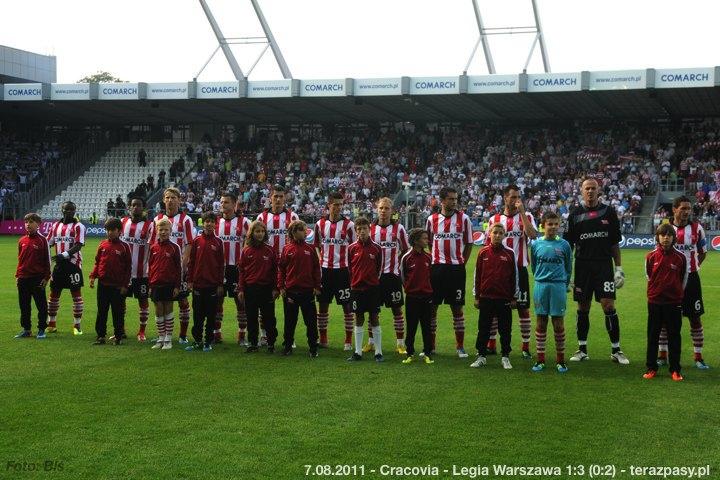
{"type": "Point", "coordinates": [101, 77]}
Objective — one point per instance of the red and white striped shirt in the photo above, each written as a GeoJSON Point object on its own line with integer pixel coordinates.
{"type": "Point", "coordinates": [449, 235]}
{"type": "Point", "coordinates": [182, 232]}
{"type": "Point", "coordinates": [277, 224]}
{"type": "Point", "coordinates": [515, 237]}
{"type": "Point", "coordinates": [333, 240]}
{"type": "Point", "coordinates": [136, 235]}
{"type": "Point", "coordinates": [393, 239]}
{"type": "Point", "coordinates": [232, 233]}
{"type": "Point", "coordinates": [64, 236]}
{"type": "Point", "coordinates": [690, 242]}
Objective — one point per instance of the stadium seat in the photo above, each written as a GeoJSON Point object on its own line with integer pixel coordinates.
{"type": "Point", "coordinates": [116, 173]}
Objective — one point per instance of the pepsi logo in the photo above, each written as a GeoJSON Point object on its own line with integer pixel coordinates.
{"type": "Point", "coordinates": [310, 235]}
{"type": "Point", "coordinates": [478, 238]}
{"type": "Point", "coordinates": [716, 243]}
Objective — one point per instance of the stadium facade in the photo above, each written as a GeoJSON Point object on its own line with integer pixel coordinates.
{"type": "Point", "coordinates": [649, 94]}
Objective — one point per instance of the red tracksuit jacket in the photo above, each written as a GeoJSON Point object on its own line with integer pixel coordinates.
{"type": "Point", "coordinates": [206, 267]}
{"type": "Point", "coordinates": [365, 264]}
{"type": "Point", "coordinates": [33, 257]}
{"type": "Point", "coordinates": [164, 264]}
{"type": "Point", "coordinates": [667, 274]}
{"type": "Point", "coordinates": [496, 274]}
{"type": "Point", "coordinates": [415, 273]}
{"type": "Point", "coordinates": [258, 266]}
{"type": "Point", "coordinates": [299, 268]}
{"type": "Point", "coordinates": [113, 263]}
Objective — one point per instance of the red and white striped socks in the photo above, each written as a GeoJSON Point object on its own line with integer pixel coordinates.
{"type": "Point", "coordinates": [144, 314]}
{"type": "Point", "coordinates": [241, 318]}
{"type": "Point", "coordinates": [184, 316]}
{"type": "Point", "coordinates": [160, 322]}
{"type": "Point", "coordinates": [349, 319]}
{"type": "Point", "coordinates": [491, 345]}
{"type": "Point", "coordinates": [168, 321]}
{"type": "Point", "coordinates": [698, 338]}
{"type": "Point", "coordinates": [78, 307]}
{"type": "Point", "coordinates": [459, 327]}
{"type": "Point", "coordinates": [323, 319]}
{"type": "Point", "coordinates": [53, 307]}
{"type": "Point", "coordinates": [525, 329]}
{"type": "Point", "coordinates": [399, 324]}
{"type": "Point", "coordinates": [540, 338]}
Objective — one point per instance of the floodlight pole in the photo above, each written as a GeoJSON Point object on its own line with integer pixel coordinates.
{"type": "Point", "coordinates": [232, 62]}
{"type": "Point", "coordinates": [271, 40]}
{"type": "Point", "coordinates": [513, 30]}
{"type": "Point", "coordinates": [225, 42]}
{"type": "Point", "coordinates": [541, 38]}
{"type": "Point", "coordinates": [483, 39]}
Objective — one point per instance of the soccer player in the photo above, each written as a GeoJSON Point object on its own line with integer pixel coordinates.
{"type": "Point", "coordinates": [333, 235]}
{"type": "Point", "coordinates": [552, 269]}
{"type": "Point", "coordinates": [451, 234]}
{"type": "Point", "coordinates": [366, 262]}
{"type": "Point", "coordinates": [205, 277]}
{"type": "Point", "coordinates": [299, 283]}
{"type": "Point", "coordinates": [232, 228]}
{"type": "Point", "coordinates": [68, 236]}
{"type": "Point", "coordinates": [135, 232]}
{"type": "Point", "coordinates": [164, 276]}
{"type": "Point", "coordinates": [520, 228]}
{"type": "Point", "coordinates": [594, 232]}
{"type": "Point", "coordinates": [256, 288]}
{"type": "Point", "coordinates": [182, 234]}
{"type": "Point", "coordinates": [495, 288]}
{"type": "Point", "coordinates": [415, 273]}
{"type": "Point", "coordinates": [113, 267]}
{"type": "Point", "coordinates": [667, 273]}
{"type": "Point", "coordinates": [32, 275]}
{"type": "Point", "coordinates": [393, 239]}
{"type": "Point", "coordinates": [691, 242]}
{"type": "Point", "coordinates": [276, 219]}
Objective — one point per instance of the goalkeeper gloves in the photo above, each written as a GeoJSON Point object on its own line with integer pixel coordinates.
{"type": "Point", "coordinates": [619, 277]}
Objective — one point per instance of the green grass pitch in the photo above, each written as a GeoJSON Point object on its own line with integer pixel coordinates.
{"type": "Point", "coordinates": [130, 412]}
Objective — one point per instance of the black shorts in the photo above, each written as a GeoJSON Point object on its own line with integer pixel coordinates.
{"type": "Point", "coordinates": [366, 300]}
{"type": "Point", "coordinates": [448, 283]}
{"type": "Point", "coordinates": [523, 302]}
{"type": "Point", "coordinates": [162, 293]}
{"type": "Point", "coordinates": [184, 291]}
{"type": "Point", "coordinates": [692, 301]}
{"type": "Point", "coordinates": [231, 280]}
{"type": "Point", "coordinates": [335, 284]}
{"type": "Point", "coordinates": [66, 275]}
{"type": "Point", "coordinates": [391, 290]}
{"type": "Point", "coordinates": [593, 277]}
{"type": "Point", "coordinates": [139, 289]}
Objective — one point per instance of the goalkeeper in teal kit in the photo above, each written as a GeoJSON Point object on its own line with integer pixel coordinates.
{"type": "Point", "coordinates": [552, 266]}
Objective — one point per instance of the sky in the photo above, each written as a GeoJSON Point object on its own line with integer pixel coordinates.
{"type": "Point", "coordinates": [170, 40]}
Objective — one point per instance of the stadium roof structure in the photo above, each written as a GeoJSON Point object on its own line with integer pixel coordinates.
{"type": "Point", "coordinates": [517, 98]}
{"type": "Point", "coordinates": [22, 66]}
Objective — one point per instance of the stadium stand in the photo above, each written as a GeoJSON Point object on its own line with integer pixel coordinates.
{"type": "Point", "coordinates": [25, 159]}
{"type": "Point", "coordinates": [635, 164]}
{"type": "Point", "coordinates": [116, 173]}
{"type": "Point", "coordinates": [366, 163]}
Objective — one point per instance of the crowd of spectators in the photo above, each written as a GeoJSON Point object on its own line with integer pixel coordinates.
{"type": "Point", "coordinates": [367, 163]}
{"type": "Point", "coordinates": [23, 163]}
